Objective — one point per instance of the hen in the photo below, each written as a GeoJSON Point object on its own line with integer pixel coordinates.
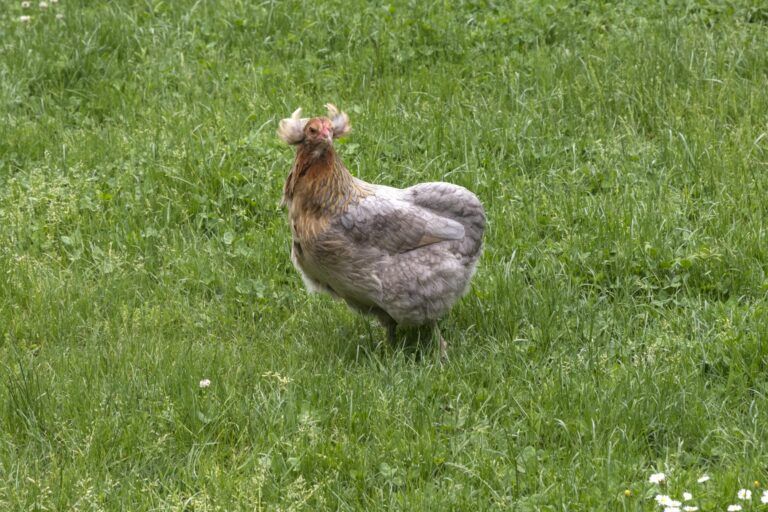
{"type": "Point", "coordinates": [404, 256]}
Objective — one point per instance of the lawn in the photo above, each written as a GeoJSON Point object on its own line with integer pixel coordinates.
{"type": "Point", "coordinates": [617, 325]}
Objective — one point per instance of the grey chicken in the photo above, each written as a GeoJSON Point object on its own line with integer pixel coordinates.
{"type": "Point", "coordinates": [403, 255]}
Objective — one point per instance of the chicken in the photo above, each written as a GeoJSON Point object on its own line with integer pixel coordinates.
{"type": "Point", "coordinates": [404, 256]}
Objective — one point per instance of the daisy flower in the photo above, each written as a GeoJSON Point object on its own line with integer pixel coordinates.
{"type": "Point", "coordinates": [671, 509]}
{"type": "Point", "coordinates": [687, 496]}
{"type": "Point", "coordinates": [733, 508]}
{"type": "Point", "coordinates": [689, 508]}
{"type": "Point", "coordinates": [764, 497]}
{"type": "Point", "coordinates": [25, 19]}
{"type": "Point", "coordinates": [745, 494]}
{"type": "Point", "coordinates": [657, 478]}
{"type": "Point", "coordinates": [703, 478]}
{"type": "Point", "coordinates": [43, 5]}
{"type": "Point", "coordinates": [205, 383]}
{"type": "Point", "coordinates": [25, 5]}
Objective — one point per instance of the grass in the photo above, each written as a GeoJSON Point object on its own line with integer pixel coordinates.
{"type": "Point", "coordinates": [617, 325]}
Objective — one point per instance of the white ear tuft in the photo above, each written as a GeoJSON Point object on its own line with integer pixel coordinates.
{"type": "Point", "coordinates": [291, 129]}
{"type": "Point", "coordinates": [340, 121]}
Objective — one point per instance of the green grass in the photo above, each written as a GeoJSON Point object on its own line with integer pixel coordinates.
{"type": "Point", "coordinates": [617, 325]}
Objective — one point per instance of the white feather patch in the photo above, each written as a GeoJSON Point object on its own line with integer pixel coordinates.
{"type": "Point", "coordinates": [291, 129]}
{"type": "Point", "coordinates": [339, 120]}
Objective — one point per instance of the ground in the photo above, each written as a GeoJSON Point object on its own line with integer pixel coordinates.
{"type": "Point", "coordinates": [617, 325]}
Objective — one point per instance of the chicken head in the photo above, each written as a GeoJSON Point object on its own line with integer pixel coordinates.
{"type": "Point", "coordinates": [315, 131]}
{"type": "Point", "coordinates": [318, 132]}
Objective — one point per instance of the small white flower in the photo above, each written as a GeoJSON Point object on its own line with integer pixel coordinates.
{"type": "Point", "coordinates": [657, 478]}
{"type": "Point", "coordinates": [703, 479]}
{"type": "Point", "coordinates": [734, 508]}
{"type": "Point", "coordinates": [764, 497]}
{"type": "Point", "coordinates": [25, 5]}
{"type": "Point", "coordinates": [745, 494]}
{"type": "Point", "coordinates": [54, 1]}
{"type": "Point", "coordinates": [43, 5]}
{"type": "Point", "coordinates": [25, 19]}
{"type": "Point", "coordinates": [666, 501]}
{"type": "Point", "coordinates": [689, 508]}
{"type": "Point", "coordinates": [687, 496]}
{"type": "Point", "coordinates": [205, 383]}
{"type": "Point", "coordinates": [671, 509]}
{"type": "Point", "coordinates": [59, 16]}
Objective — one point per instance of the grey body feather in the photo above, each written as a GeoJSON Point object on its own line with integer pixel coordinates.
{"type": "Point", "coordinates": [404, 255]}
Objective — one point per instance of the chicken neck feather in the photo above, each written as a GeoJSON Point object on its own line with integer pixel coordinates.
{"type": "Point", "coordinates": [319, 186]}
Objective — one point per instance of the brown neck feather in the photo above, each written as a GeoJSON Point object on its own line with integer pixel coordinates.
{"type": "Point", "coordinates": [318, 183]}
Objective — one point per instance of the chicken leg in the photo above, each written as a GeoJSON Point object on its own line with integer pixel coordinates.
{"type": "Point", "coordinates": [442, 343]}
{"type": "Point", "coordinates": [392, 333]}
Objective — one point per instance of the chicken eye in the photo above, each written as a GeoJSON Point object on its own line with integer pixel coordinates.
{"type": "Point", "coordinates": [312, 129]}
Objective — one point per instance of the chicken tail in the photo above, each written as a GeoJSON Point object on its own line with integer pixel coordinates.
{"type": "Point", "coordinates": [459, 204]}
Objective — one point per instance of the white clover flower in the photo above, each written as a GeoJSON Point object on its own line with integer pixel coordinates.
{"type": "Point", "coordinates": [734, 508]}
{"type": "Point", "coordinates": [43, 5]}
{"type": "Point", "coordinates": [764, 497]}
{"type": "Point", "coordinates": [689, 508]}
{"type": "Point", "coordinates": [25, 5]}
{"type": "Point", "coordinates": [25, 19]}
{"type": "Point", "coordinates": [703, 478]}
{"type": "Point", "coordinates": [687, 496]}
{"type": "Point", "coordinates": [657, 478]}
{"type": "Point", "coordinates": [205, 383]}
{"type": "Point", "coordinates": [666, 501]}
{"type": "Point", "coordinates": [745, 494]}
